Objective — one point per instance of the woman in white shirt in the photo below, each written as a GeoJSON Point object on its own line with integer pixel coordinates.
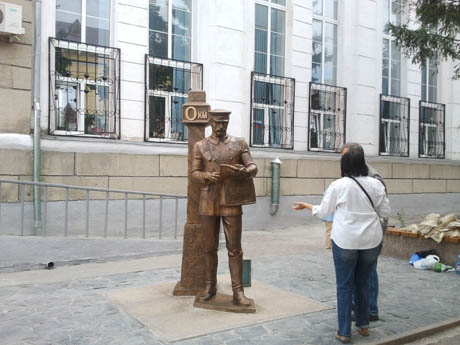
{"type": "Point", "coordinates": [356, 234]}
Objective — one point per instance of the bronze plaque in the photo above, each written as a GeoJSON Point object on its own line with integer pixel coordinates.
{"type": "Point", "coordinates": [195, 113]}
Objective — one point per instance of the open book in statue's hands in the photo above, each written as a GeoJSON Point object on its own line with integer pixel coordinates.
{"type": "Point", "coordinates": [228, 171]}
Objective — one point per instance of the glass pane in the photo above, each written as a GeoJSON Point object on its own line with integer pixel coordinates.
{"type": "Point", "coordinates": [260, 92]}
{"type": "Point", "coordinates": [258, 129]}
{"type": "Point", "coordinates": [181, 80]}
{"type": "Point", "coordinates": [277, 44]}
{"type": "Point", "coordinates": [158, 17]}
{"type": "Point", "coordinates": [275, 127]}
{"type": "Point", "coordinates": [261, 17]}
{"type": "Point", "coordinates": [66, 106]}
{"type": "Point", "coordinates": [96, 111]}
{"type": "Point", "coordinates": [278, 21]}
{"type": "Point", "coordinates": [331, 33]}
{"type": "Point", "coordinates": [424, 72]}
{"type": "Point", "coordinates": [385, 86]}
{"type": "Point", "coordinates": [432, 94]}
{"type": "Point", "coordinates": [157, 109]}
{"type": "Point", "coordinates": [317, 52]}
{"type": "Point", "coordinates": [314, 130]}
{"type": "Point", "coordinates": [98, 8]}
{"type": "Point", "coordinates": [276, 65]}
{"type": "Point", "coordinates": [331, 9]}
{"type": "Point", "coordinates": [386, 15]}
{"type": "Point", "coordinates": [70, 6]}
{"type": "Point", "coordinates": [181, 49]}
{"type": "Point", "coordinates": [68, 26]}
{"type": "Point", "coordinates": [97, 31]}
{"type": "Point", "coordinates": [395, 70]}
{"type": "Point", "coordinates": [181, 23]}
{"type": "Point", "coordinates": [433, 78]}
{"type": "Point", "coordinates": [395, 52]}
{"type": "Point", "coordinates": [316, 73]}
{"type": "Point", "coordinates": [158, 44]}
{"type": "Point", "coordinates": [261, 41]}
{"type": "Point", "coordinates": [185, 5]}
{"type": "Point", "coordinates": [279, 2]}
{"type": "Point", "coordinates": [160, 78]}
{"type": "Point", "coordinates": [317, 30]}
{"type": "Point", "coordinates": [177, 127]}
{"type": "Point", "coordinates": [260, 63]}
{"type": "Point", "coordinates": [396, 12]}
{"type": "Point", "coordinates": [318, 7]}
{"type": "Point", "coordinates": [424, 92]}
{"type": "Point", "coordinates": [395, 87]}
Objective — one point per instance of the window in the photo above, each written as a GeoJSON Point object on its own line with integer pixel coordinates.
{"type": "Point", "coordinates": [391, 54]}
{"type": "Point", "coordinates": [327, 117]}
{"type": "Point", "coordinates": [272, 111]}
{"type": "Point", "coordinates": [84, 89]}
{"type": "Point", "coordinates": [324, 58]}
{"type": "Point", "coordinates": [168, 82]}
{"type": "Point", "coordinates": [83, 21]}
{"type": "Point", "coordinates": [169, 72]}
{"type": "Point", "coordinates": [429, 81]}
{"type": "Point", "coordinates": [432, 130]}
{"type": "Point", "coordinates": [170, 28]}
{"type": "Point", "coordinates": [394, 126]}
{"type": "Point", "coordinates": [270, 37]}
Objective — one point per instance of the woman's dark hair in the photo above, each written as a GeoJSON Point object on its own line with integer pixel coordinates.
{"type": "Point", "coordinates": [353, 162]}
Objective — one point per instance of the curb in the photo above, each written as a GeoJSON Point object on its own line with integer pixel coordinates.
{"type": "Point", "coordinates": [418, 333]}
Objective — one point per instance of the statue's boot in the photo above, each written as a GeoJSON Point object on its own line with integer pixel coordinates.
{"type": "Point", "coordinates": [210, 289]}
{"type": "Point", "coordinates": [236, 273]}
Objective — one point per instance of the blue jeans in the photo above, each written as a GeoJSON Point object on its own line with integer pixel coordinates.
{"type": "Point", "coordinates": [352, 269]}
{"type": "Point", "coordinates": [373, 291]}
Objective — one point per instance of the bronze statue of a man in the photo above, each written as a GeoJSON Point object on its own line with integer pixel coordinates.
{"type": "Point", "coordinates": [222, 163]}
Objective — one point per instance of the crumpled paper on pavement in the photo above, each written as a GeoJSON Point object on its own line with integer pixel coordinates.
{"type": "Point", "coordinates": [436, 227]}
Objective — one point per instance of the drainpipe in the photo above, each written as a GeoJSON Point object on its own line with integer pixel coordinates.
{"type": "Point", "coordinates": [36, 110]}
{"type": "Point", "coordinates": [276, 166]}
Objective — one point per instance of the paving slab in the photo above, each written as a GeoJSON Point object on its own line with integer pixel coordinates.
{"type": "Point", "coordinates": [156, 308]}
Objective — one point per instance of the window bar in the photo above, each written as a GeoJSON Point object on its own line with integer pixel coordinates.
{"type": "Point", "coordinates": [87, 213]}
{"type": "Point", "coordinates": [45, 211]}
{"type": "Point", "coordinates": [175, 218]}
{"type": "Point", "coordinates": [66, 212]}
{"type": "Point", "coordinates": [106, 213]}
{"type": "Point", "coordinates": [161, 218]}
{"type": "Point", "coordinates": [126, 215]}
{"type": "Point", "coordinates": [143, 215]}
{"type": "Point", "coordinates": [21, 195]}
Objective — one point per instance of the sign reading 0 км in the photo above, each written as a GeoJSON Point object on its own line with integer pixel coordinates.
{"type": "Point", "coordinates": [195, 112]}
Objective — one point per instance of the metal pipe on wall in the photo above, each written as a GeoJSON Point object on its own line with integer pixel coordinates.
{"type": "Point", "coordinates": [36, 114]}
{"type": "Point", "coordinates": [275, 198]}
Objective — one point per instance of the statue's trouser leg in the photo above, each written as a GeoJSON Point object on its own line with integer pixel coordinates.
{"type": "Point", "coordinates": [232, 228]}
{"type": "Point", "coordinates": [210, 226]}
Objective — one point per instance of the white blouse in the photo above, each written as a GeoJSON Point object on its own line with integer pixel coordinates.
{"type": "Point", "coordinates": [356, 224]}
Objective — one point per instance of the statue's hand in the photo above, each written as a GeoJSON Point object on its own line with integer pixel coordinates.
{"type": "Point", "coordinates": [212, 177]}
{"type": "Point", "coordinates": [240, 170]}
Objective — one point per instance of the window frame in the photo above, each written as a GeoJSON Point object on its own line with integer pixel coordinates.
{"type": "Point", "coordinates": [441, 107]}
{"type": "Point", "coordinates": [326, 20]}
{"type": "Point", "coordinates": [271, 5]}
{"type": "Point", "coordinates": [400, 100]}
{"type": "Point", "coordinates": [387, 37]}
{"type": "Point", "coordinates": [170, 32]}
{"type": "Point", "coordinates": [339, 92]}
{"type": "Point", "coordinates": [426, 68]}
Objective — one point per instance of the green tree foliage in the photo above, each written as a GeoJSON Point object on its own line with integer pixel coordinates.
{"type": "Point", "coordinates": [437, 35]}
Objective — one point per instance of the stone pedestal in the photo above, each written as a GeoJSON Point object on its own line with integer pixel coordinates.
{"type": "Point", "coordinates": [223, 302]}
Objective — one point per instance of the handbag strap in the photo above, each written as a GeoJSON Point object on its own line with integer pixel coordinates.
{"type": "Point", "coordinates": [359, 184]}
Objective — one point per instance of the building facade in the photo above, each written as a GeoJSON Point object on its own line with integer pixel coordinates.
{"type": "Point", "coordinates": [301, 78]}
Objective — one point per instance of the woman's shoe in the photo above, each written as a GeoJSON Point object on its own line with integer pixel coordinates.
{"type": "Point", "coordinates": [343, 339]}
{"type": "Point", "coordinates": [363, 331]}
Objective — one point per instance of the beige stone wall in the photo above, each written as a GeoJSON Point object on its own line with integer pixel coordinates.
{"type": "Point", "coordinates": [168, 174]}
{"type": "Point", "coordinates": [16, 75]}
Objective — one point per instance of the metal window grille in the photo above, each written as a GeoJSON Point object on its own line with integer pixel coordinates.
{"type": "Point", "coordinates": [327, 117]}
{"type": "Point", "coordinates": [84, 83]}
{"type": "Point", "coordinates": [394, 125]}
{"type": "Point", "coordinates": [167, 82]}
{"type": "Point", "coordinates": [272, 111]}
{"type": "Point", "coordinates": [432, 130]}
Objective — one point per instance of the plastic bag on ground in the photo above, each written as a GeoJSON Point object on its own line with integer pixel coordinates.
{"type": "Point", "coordinates": [427, 263]}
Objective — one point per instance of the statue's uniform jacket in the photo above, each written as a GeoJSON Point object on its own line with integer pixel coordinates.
{"type": "Point", "coordinates": [229, 150]}
{"type": "Point", "coordinates": [208, 154]}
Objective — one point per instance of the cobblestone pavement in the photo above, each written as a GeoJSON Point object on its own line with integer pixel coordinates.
{"type": "Point", "coordinates": [75, 311]}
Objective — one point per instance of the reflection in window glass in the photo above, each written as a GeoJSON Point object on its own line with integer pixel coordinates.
{"type": "Point", "coordinates": [98, 8]}
{"type": "Point", "coordinates": [181, 48]}
{"type": "Point", "coordinates": [157, 107]}
{"type": "Point", "coordinates": [97, 31]}
{"type": "Point", "coordinates": [66, 103]}
{"type": "Point", "coordinates": [318, 7]}
{"type": "Point", "coordinates": [158, 17]}
{"type": "Point", "coordinates": [68, 26]}
{"type": "Point", "coordinates": [69, 6]}
{"type": "Point", "coordinates": [330, 10]}
{"type": "Point", "coordinates": [258, 126]}
{"type": "Point", "coordinates": [324, 47]}
{"type": "Point", "coordinates": [158, 44]}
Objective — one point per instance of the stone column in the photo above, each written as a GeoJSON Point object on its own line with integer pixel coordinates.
{"type": "Point", "coordinates": [195, 115]}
